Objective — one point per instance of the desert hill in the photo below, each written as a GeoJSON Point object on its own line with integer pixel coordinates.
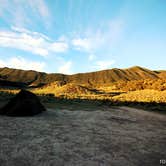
{"type": "Point", "coordinates": [63, 89]}
{"type": "Point", "coordinates": [16, 77]}
{"type": "Point", "coordinates": [113, 75]}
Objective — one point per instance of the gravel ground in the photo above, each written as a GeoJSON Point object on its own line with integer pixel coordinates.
{"type": "Point", "coordinates": [120, 136]}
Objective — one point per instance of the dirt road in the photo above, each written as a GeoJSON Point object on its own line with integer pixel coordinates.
{"type": "Point", "coordinates": [111, 137]}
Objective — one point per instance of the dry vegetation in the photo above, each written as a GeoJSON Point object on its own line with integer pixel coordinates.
{"type": "Point", "coordinates": [143, 96]}
{"type": "Point", "coordinates": [156, 84]}
{"type": "Point", "coordinates": [73, 91]}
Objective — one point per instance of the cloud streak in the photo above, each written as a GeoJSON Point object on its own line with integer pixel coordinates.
{"type": "Point", "coordinates": [91, 57]}
{"type": "Point", "coordinates": [33, 42]}
{"type": "Point", "coordinates": [21, 63]}
{"type": "Point", "coordinates": [103, 38]}
{"type": "Point", "coordinates": [88, 43]}
{"type": "Point", "coordinates": [66, 68]}
{"type": "Point", "coordinates": [41, 9]}
{"type": "Point", "coordinates": [19, 12]}
{"type": "Point", "coordinates": [103, 64]}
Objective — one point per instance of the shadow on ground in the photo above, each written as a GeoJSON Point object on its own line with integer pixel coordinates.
{"type": "Point", "coordinates": [51, 101]}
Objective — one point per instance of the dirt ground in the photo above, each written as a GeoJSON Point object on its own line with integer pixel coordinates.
{"type": "Point", "coordinates": [119, 136]}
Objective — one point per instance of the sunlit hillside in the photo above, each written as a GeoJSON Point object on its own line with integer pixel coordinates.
{"type": "Point", "coordinates": [64, 90]}
{"type": "Point", "coordinates": [142, 96]}
{"type": "Point", "coordinates": [114, 84]}
{"type": "Point", "coordinates": [94, 79]}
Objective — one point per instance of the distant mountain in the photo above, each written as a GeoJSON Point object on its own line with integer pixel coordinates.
{"type": "Point", "coordinates": [18, 77]}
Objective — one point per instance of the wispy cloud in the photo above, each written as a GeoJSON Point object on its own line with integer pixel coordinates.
{"type": "Point", "coordinates": [33, 42]}
{"type": "Point", "coordinates": [24, 30]}
{"type": "Point", "coordinates": [41, 9]}
{"type": "Point", "coordinates": [92, 57]}
{"type": "Point", "coordinates": [21, 63]}
{"type": "Point", "coordinates": [82, 44]}
{"type": "Point", "coordinates": [103, 64]}
{"type": "Point", "coordinates": [105, 37]}
{"type": "Point", "coordinates": [66, 68]}
{"type": "Point", "coordinates": [88, 43]}
{"type": "Point", "coordinates": [19, 12]}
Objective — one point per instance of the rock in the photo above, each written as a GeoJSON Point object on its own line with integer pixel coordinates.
{"type": "Point", "coordinates": [25, 103]}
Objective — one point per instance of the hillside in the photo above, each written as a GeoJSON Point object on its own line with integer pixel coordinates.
{"type": "Point", "coordinates": [155, 84]}
{"type": "Point", "coordinates": [28, 77]}
{"type": "Point", "coordinates": [113, 75]}
{"type": "Point", "coordinates": [98, 78]}
{"type": "Point", "coordinates": [67, 89]}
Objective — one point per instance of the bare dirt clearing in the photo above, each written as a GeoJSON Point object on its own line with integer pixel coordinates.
{"type": "Point", "coordinates": [111, 136]}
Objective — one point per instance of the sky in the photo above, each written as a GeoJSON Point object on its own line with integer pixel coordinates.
{"type": "Point", "coordinates": [75, 36]}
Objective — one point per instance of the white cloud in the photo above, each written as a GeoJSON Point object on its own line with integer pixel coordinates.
{"type": "Point", "coordinates": [66, 68]}
{"type": "Point", "coordinates": [2, 63]}
{"type": "Point", "coordinates": [83, 43]}
{"type": "Point", "coordinates": [33, 42]}
{"type": "Point", "coordinates": [63, 39]}
{"type": "Point", "coordinates": [58, 47]}
{"type": "Point", "coordinates": [115, 32]}
{"type": "Point", "coordinates": [40, 8]}
{"type": "Point", "coordinates": [21, 63]}
{"type": "Point", "coordinates": [102, 38]}
{"type": "Point", "coordinates": [89, 43]}
{"type": "Point", "coordinates": [104, 64]}
{"type": "Point", "coordinates": [3, 5]}
{"type": "Point", "coordinates": [16, 13]}
{"type": "Point", "coordinates": [26, 31]}
{"type": "Point", "coordinates": [92, 57]}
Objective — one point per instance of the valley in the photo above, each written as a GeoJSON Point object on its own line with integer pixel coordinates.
{"type": "Point", "coordinates": [110, 120]}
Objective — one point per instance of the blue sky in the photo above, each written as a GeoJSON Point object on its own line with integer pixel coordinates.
{"type": "Point", "coordinates": [72, 36]}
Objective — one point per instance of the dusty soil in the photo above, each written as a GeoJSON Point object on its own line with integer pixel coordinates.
{"type": "Point", "coordinates": [119, 136]}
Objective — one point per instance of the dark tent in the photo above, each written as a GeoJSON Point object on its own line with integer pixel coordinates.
{"type": "Point", "coordinates": [25, 103]}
